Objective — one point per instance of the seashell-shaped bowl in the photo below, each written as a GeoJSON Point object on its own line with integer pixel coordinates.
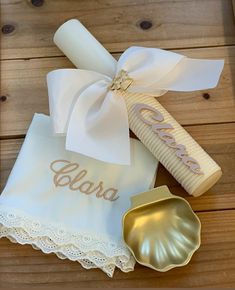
{"type": "Point", "coordinates": [161, 230]}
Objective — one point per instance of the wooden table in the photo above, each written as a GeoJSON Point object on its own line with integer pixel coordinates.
{"type": "Point", "coordinates": [197, 28]}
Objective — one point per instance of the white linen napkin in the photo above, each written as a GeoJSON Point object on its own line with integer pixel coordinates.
{"type": "Point", "coordinates": [65, 203]}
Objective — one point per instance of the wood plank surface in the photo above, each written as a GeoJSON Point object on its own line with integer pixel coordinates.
{"type": "Point", "coordinates": [217, 139]}
{"type": "Point", "coordinates": [175, 24]}
{"type": "Point", "coordinates": [196, 28]}
{"type": "Point", "coordinates": [233, 2]}
{"type": "Point", "coordinates": [212, 265]}
{"type": "Point", "coordinates": [24, 84]}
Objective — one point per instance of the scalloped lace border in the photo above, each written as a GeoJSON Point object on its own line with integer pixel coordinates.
{"type": "Point", "coordinates": [90, 250]}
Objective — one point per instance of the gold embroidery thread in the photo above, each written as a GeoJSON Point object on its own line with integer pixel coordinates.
{"type": "Point", "coordinates": [69, 174]}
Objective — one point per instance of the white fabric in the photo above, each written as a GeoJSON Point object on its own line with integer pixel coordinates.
{"type": "Point", "coordinates": [95, 119]}
{"type": "Point", "coordinates": [36, 210]}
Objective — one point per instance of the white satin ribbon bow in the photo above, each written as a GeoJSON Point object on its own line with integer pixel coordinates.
{"type": "Point", "coordinates": [84, 104]}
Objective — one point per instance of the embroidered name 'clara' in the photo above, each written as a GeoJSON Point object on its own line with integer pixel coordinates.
{"type": "Point", "coordinates": [68, 173]}
{"type": "Point", "coordinates": [167, 137]}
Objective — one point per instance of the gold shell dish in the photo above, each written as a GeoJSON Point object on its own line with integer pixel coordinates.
{"type": "Point", "coordinates": [161, 230]}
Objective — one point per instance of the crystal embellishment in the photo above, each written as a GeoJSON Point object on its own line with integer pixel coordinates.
{"type": "Point", "coordinates": [121, 82]}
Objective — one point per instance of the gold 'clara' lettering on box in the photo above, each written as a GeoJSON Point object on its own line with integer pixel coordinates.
{"type": "Point", "coordinates": [159, 128]}
{"type": "Point", "coordinates": [68, 174]}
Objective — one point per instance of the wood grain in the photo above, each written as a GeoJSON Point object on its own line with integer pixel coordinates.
{"type": "Point", "coordinates": [175, 24]}
{"type": "Point", "coordinates": [24, 84]}
{"type": "Point", "coordinates": [233, 2]}
{"type": "Point", "coordinates": [218, 140]}
{"type": "Point", "coordinates": [212, 265]}
{"type": "Point", "coordinates": [196, 28]}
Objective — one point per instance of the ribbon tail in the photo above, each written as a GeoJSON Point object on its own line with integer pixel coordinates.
{"type": "Point", "coordinates": [98, 126]}
{"type": "Point", "coordinates": [192, 75]}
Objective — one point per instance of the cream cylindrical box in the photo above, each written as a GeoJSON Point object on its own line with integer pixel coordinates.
{"type": "Point", "coordinates": [195, 184]}
{"type": "Point", "coordinates": [79, 45]}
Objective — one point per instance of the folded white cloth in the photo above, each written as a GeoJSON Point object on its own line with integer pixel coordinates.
{"type": "Point", "coordinates": [65, 203]}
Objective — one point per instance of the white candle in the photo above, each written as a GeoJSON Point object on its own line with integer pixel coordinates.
{"type": "Point", "coordinates": [87, 53]}
{"type": "Point", "coordinates": [84, 51]}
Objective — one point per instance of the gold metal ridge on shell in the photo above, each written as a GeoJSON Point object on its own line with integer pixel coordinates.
{"type": "Point", "coordinates": [161, 230]}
